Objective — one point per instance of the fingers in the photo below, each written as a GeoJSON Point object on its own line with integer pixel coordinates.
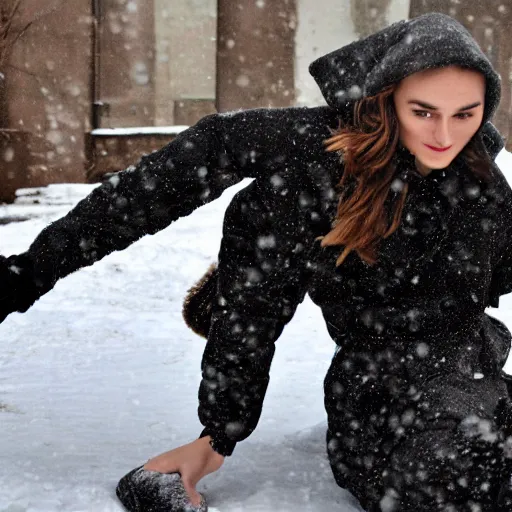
{"type": "Point", "coordinates": [151, 466]}
{"type": "Point", "coordinates": [191, 461]}
{"type": "Point", "coordinates": [162, 464]}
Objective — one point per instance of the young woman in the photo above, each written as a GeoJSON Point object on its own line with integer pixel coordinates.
{"type": "Point", "coordinates": [385, 206]}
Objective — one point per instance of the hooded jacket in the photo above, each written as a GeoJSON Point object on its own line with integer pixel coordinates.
{"type": "Point", "coordinates": [435, 276]}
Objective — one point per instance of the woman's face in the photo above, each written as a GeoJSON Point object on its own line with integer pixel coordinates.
{"type": "Point", "coordinates": [439, 110]}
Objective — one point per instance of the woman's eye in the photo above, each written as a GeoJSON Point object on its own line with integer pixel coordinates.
{"type": "Point", "coordinates": [463, 115]}
{"type": "Point", "coordinates": [423, 113]}
{"type": "Point", "coordinates": [428, 115]}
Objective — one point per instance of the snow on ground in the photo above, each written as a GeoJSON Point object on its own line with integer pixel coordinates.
{"type": "Point", "coordinates": [102, 374]}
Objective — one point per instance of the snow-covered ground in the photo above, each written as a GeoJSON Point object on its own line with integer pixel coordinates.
{"type": "Point", "coordinates": [102, 374]}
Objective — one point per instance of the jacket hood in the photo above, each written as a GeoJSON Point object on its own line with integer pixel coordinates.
{"type": "Point", "coordinates": [365, 67]}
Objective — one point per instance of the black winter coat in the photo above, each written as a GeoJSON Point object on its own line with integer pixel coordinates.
{"type": "Point", "coordinates": [434, 278]}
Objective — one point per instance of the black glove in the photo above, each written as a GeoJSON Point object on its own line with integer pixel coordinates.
{"type": "Point", "coordinates": [18, 290]}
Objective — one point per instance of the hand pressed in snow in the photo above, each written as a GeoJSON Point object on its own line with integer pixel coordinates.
{"type": "Point", "coordinates": [192, 461]}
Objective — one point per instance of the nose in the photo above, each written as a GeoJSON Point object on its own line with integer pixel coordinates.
{"type": "Point", "coordinates": [442, 134]}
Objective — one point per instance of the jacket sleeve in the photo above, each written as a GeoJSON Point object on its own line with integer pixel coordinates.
{"type": "Point", "coordinates": [195, 168]}
{"type": "Point", "coordinates": [262, 279]}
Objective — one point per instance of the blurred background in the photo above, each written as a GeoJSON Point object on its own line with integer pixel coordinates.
{"type": "Point", "coordinates": [88, 86]}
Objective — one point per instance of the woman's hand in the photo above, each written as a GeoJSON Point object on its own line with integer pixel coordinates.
{"type": "Point", "coordinates": [192, 461]}
{"type": "Point", "coordinates": [18, 290]}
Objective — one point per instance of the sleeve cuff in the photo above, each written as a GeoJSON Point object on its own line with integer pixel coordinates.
{"type": "Point", "coordinates": [219, 442]}
{"type": "Point", "coordinates": [23, 284]}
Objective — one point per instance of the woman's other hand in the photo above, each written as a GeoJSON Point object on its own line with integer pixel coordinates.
{"type": "Point", "coordinates": [18, 288]}
{"type": "Point", "coordinates": [192, 461]}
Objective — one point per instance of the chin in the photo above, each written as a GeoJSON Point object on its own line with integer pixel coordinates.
{"type": "Point", "coordinates": [436, 163]}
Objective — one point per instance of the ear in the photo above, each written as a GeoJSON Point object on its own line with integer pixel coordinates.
{"type": "Point", "coordinates": [197, 306]}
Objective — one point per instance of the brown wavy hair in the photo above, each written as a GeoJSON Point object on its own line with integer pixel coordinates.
{"type": "Point", "coordinates": [367, 146]}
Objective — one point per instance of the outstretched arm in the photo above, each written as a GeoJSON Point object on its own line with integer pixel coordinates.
{"type": "Point", "coordinates": [192, 170]}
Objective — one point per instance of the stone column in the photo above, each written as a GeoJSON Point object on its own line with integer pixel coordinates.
{"type": "Point", "coordinates": [255, 55]}
{"type": "Point", "coordinates": [369, 16]}
{"type": "Point", "coordinates": [48, 88]}
{"type": "Point", "coordinates": [125, 71]}
{"type": "Point", "coordinates": [186, 45]}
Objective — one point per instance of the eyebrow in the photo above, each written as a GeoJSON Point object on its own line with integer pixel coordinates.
{"type": "Point", "coordinates": [431, 107]}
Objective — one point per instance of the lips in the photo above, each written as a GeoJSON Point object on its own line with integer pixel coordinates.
{"type": "Point", "coordinates": [439, 150]}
